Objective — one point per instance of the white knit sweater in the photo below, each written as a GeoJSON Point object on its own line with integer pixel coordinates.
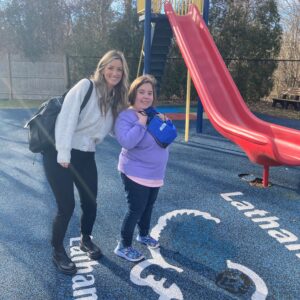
{"type": "Point", "coordinates": [81, 131]}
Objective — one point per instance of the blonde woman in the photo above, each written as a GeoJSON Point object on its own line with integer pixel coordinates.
{"type": "Point", "coordinates": [73, 161]}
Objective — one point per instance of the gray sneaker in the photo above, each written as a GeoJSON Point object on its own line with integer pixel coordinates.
{"type": "Point", "coordinates": [128, 253]}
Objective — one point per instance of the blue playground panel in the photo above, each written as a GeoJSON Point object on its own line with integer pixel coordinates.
{"type": "Point", "coordinates": [175, 109]}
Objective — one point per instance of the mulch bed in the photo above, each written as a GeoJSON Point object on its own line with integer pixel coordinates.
{"type": "Point", "coordinates": [265, 107]}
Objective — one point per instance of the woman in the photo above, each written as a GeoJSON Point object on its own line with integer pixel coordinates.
{"type": "Point", "coordinates": [142, 163]}
{"type": "Point", "coordinates": [73, 161]}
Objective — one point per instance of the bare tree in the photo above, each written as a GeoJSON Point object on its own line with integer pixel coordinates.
{"type": "Point", "coordinates": [246, 32]}
{"type": "Point", "coordinates": [288, 72]}
{"type": "Point", "coordinates": [35, 27]}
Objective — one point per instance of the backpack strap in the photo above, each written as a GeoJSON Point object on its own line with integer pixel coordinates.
{"type": "Point", "coordinates": [87, 96]}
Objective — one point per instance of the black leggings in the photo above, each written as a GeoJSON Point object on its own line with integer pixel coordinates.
{"type": "Point", "coordinates": [140, 200]}
{"type": "Point", "coordinates": [82, 172]}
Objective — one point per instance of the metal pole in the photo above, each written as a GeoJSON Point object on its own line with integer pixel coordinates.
{"type": "Point", "coordinates": [187, 108]}
{"type": "Point", "coordinates": [147, 37]}
{"type": "Point", "coordinates": [199, 126]}
{"type": "Point", "coordinates": [67, 71]}
{"type": "Point", "coordinates": [206, 11]}
{"type": "Point", "coordinates": [11, 96]}
{"type": "Point", "coordinates": [266, 176]}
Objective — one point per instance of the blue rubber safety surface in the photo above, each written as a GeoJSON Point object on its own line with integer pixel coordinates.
{"type": "Point", "coordinates": [207, 219]}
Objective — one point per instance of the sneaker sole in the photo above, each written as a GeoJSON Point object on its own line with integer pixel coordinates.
{"type": "Point", "coordinates": [120, 254]}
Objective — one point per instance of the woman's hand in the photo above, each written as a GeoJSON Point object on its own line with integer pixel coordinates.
{"type": "Point", "coordinates": [64, 165]}
{"type": "Point", "coordinates": [142, 117]}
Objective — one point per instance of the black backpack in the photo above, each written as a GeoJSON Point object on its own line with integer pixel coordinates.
{"type": "Point", "coordinates": [42, 124]}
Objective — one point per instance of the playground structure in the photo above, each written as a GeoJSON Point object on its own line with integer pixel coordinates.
{"type": "Point", "coordinates": [264, 143]}
{"type": "Point", "coordinates": [157, 41]}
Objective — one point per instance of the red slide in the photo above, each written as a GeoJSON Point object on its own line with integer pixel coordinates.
{"type": "Point", "coordinates": [264, 143]}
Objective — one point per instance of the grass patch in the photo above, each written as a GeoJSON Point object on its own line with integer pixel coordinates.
{"type": "Point", "coordinates": [20, 103]}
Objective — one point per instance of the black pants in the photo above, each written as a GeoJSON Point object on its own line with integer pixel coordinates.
{"type": "Point", "coordinates": [83, 173]}
{"type": "Point", "coordinates": [140, 200]}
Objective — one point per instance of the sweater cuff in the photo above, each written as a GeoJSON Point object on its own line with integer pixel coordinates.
{"type": "Point", "coordinates": [63, 156]}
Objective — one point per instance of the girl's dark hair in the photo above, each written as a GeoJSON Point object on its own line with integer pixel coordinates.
{"type": "Point", "coordinates": [137, 83]}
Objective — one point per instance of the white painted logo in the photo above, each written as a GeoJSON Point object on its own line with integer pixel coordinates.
{"type": "Point", "coordinates": [83, 281]}
{"type": "Point", "coordinates": [174, 292]}
{"type": "Point", "coordinates": [261, 290]}
{"type": "Point", "coordinates": [264, 221]}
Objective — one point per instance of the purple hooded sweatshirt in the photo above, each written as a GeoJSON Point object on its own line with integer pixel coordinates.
{"type": "Point", "coordinates": [140, 156]}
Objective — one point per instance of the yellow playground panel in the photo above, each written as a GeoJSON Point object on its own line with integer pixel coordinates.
{"type": "Point", "coordinates": [180, 6]}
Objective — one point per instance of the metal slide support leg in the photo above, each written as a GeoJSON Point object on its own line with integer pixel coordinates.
{"type": "Point", "coordinates": [266, 176]}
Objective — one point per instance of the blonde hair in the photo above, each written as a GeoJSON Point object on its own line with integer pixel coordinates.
{"type": "Point", "coordinates": [137, 83]}
{"type": "Point", "coordinates": [117, 98]}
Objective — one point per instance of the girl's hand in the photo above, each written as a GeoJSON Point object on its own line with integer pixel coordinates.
{"type": "Point", "coordinates": [162, 117]}
{"type": "Point", "coordinates": [64, 165]}
{"type": "Point", "coordinates": [142, 117]}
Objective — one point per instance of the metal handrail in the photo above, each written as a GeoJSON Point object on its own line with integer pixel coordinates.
{"type": "Point", "coordinates": [141, 58]}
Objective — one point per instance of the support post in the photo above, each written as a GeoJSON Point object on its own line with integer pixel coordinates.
{"type": "Point", "coordinates": [187, 107]}
{"type": "Point", "coordinates": [67, 71]}
{"type": "Point", "coordinates": [147, 37]}
{"type": "Point", "coordinates": [11, 96]}
{"type": "Point", "coordinates": [206, 11]}
{"type": "Point", "coordinates": [199, 126]}
{"type": "Point", "coordinates": [266, 176]}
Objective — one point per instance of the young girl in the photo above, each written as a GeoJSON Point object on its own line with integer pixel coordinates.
{"type": "Point", "coordinates": [73, 160]}
{"type": "Point", "coordinates": [142, 163]}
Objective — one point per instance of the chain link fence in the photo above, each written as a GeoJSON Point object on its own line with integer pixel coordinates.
{"type": "Point", "coordinates": [23, 79]}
